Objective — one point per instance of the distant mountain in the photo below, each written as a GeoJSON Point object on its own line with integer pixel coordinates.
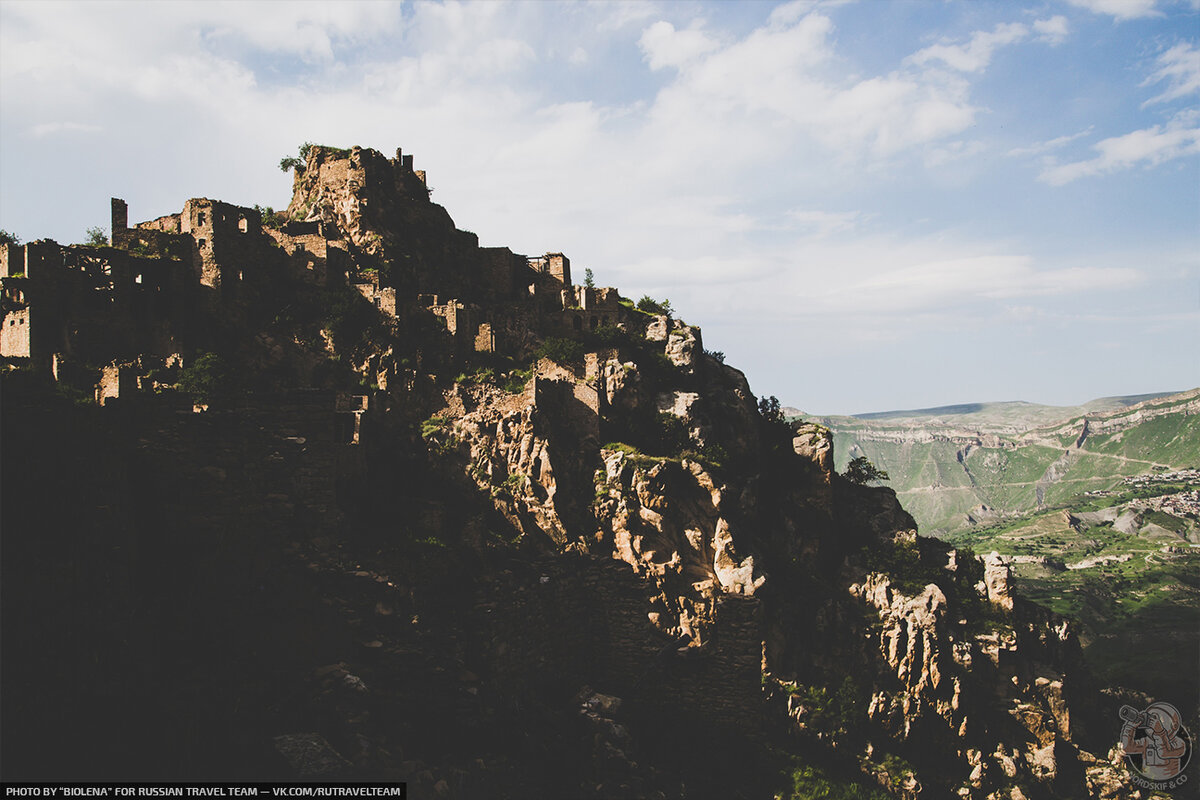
{"type": "Point", "coordinates": [957, 466]}
{"type": "Point", "coordinates": [1005, 410]}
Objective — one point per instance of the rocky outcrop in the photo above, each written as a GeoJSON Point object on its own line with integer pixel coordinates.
{"type": "Point", "coordinates": [683, 345]}
{"type": "Point", "coordinates": [933, 663]}
{"type": "Point", "coordinates": [996, 579]}
{"type": "Point", "coordinates": [665, 519]}
{"type": "Point", "coordinates": [364, 195]}
{"type": "Point", "coordinates": [960, 677]}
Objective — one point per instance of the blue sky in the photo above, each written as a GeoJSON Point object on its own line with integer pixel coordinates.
{"type": "Point", "coordinates": [866, 205]}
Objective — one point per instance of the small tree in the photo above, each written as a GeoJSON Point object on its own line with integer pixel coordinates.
{"type": "Point", "coordinates": [7, 237]}
{"type": "Point", "coordinates": [97, 236]}
{"type": "Point", "coordinates": [270, 218]}
{"type": "Point", "coordinates": [299, 162]}
{"type": "Point", "coordinates": [589, 280]}
{"type": "Point", "coordinates": [861, 471]}
{"type": "Point", "coordinates": [770, 410]}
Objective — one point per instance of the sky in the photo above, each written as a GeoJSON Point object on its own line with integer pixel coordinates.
{"type": "Point", "coordinates": [865, 205]}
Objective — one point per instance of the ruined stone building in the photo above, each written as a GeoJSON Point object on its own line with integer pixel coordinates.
{"type": "Point", "coordinates": [150, 295]}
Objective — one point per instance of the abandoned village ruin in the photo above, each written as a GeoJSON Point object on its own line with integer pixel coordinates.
{"type": "Point", "coordinates": [338, 492]}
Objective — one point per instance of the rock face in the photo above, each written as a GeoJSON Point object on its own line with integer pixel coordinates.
{"type": "Point", "coordinates": [555, 547]}
{"type": "Point", "coordinates": [932, 666]}
{"type": "Point", "coordinates": [996, 577]}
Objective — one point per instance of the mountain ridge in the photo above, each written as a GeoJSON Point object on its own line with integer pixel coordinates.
{"type": "Point", "coordinates": [1028, 408]}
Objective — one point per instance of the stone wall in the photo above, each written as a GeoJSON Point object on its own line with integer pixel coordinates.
{"type": "Point", "coordinates": [169, 224]}
{"type": "Point", "coordinates": [485, 339]}
{"type": "Point", "coordinates": [100, 303]}
{"type": "Point", "coordinates": [116, 381]}
{"type": "Point", "coordinates": [227, 240]}
{"type": "Point", "coordinates": [504, 272]}
{"type": "Point", "coordinates": [555, 266]}
{"type": "Point", "coordinates": [15, 337]}
{"type": "Point", "coordinates": [119, 217]}
{"type": "Point", "coordinates": [313, 257]}
{"type": "Point", "coordinates": [12, 260]}
{"type": "Point", "coordinates": [43, 260]}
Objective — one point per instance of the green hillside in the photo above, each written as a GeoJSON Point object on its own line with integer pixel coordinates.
{"type": "Point", "coordinates": [1097, 507]}
{"type": "Point", "coordinates": [1125, 569]}
{"type": "Point", "coordinates": [959, 466]}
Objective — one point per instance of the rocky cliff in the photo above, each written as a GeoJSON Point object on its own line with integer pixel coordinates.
{"type": "Point", "coordinates": [497, 535]}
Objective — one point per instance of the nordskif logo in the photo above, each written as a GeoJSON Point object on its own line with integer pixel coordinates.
{"type": "Point", "coordinates": [1156, 745]}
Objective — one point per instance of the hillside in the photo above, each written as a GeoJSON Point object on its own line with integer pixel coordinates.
{"type": "Point", "coordinates": [959, 466]}
{"type": "Point", "coordinates": [339, 493]}
{"type": "Point", "coordinates": [1097, 509]}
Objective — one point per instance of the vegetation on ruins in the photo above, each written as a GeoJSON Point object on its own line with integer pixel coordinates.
{"type": "Point", "coordinates": [270, 217]}
{"type": "Point", "coordinates": [651, 306]}
{"type": "Point", "coordinates": [206, 378]}
{"type": "Point", "coordinates": [297, 162]}
{"type": "Point", "coordinates": [7, 237]}
{"type": "Point", "coordinates": [568, 352]}
{"type": "Point", "coordinates": [96, 236]}
{"type": "Point", "coordinates": [438, 435]}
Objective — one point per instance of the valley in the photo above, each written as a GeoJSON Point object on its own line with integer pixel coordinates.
{"type": "Point", "coordinates": [1097, 513]}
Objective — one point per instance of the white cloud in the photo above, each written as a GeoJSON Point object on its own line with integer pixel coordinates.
{"type": "Point", "coordinates": [617, 14]}
{"type": "Point", "coordinates": [666, 47]}
{"type": "Point", "coordinates": [1120, 9]}
{"type": "Point", "coordinates": [849, 271]}
{"type": "Point", "coordinates": [1052, 31]}
{"type": "Point", "coordinates": [927, 276]}
{"type": "Point", "coordinates": [1147, 147]}
{"type": "Point", "coordinates": [976, 54]}
{"type": "Point", "coordinates": [783, 76]}
{"type": "Point", "coordinates": [308, 30]}
{"type": "Point", "coordinates": [1180, 68]}
{"type": "Point", "coordinates": [789, 13]}
{"type": "Point", "coordinates": [1052, 144]}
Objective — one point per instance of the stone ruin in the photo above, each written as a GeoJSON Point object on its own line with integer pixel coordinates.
{"type": "Point", "coordinates": [107, 315]}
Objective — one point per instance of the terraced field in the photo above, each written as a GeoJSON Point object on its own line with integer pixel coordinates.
{"type": "Point", "coordinates": [1128, 572]}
